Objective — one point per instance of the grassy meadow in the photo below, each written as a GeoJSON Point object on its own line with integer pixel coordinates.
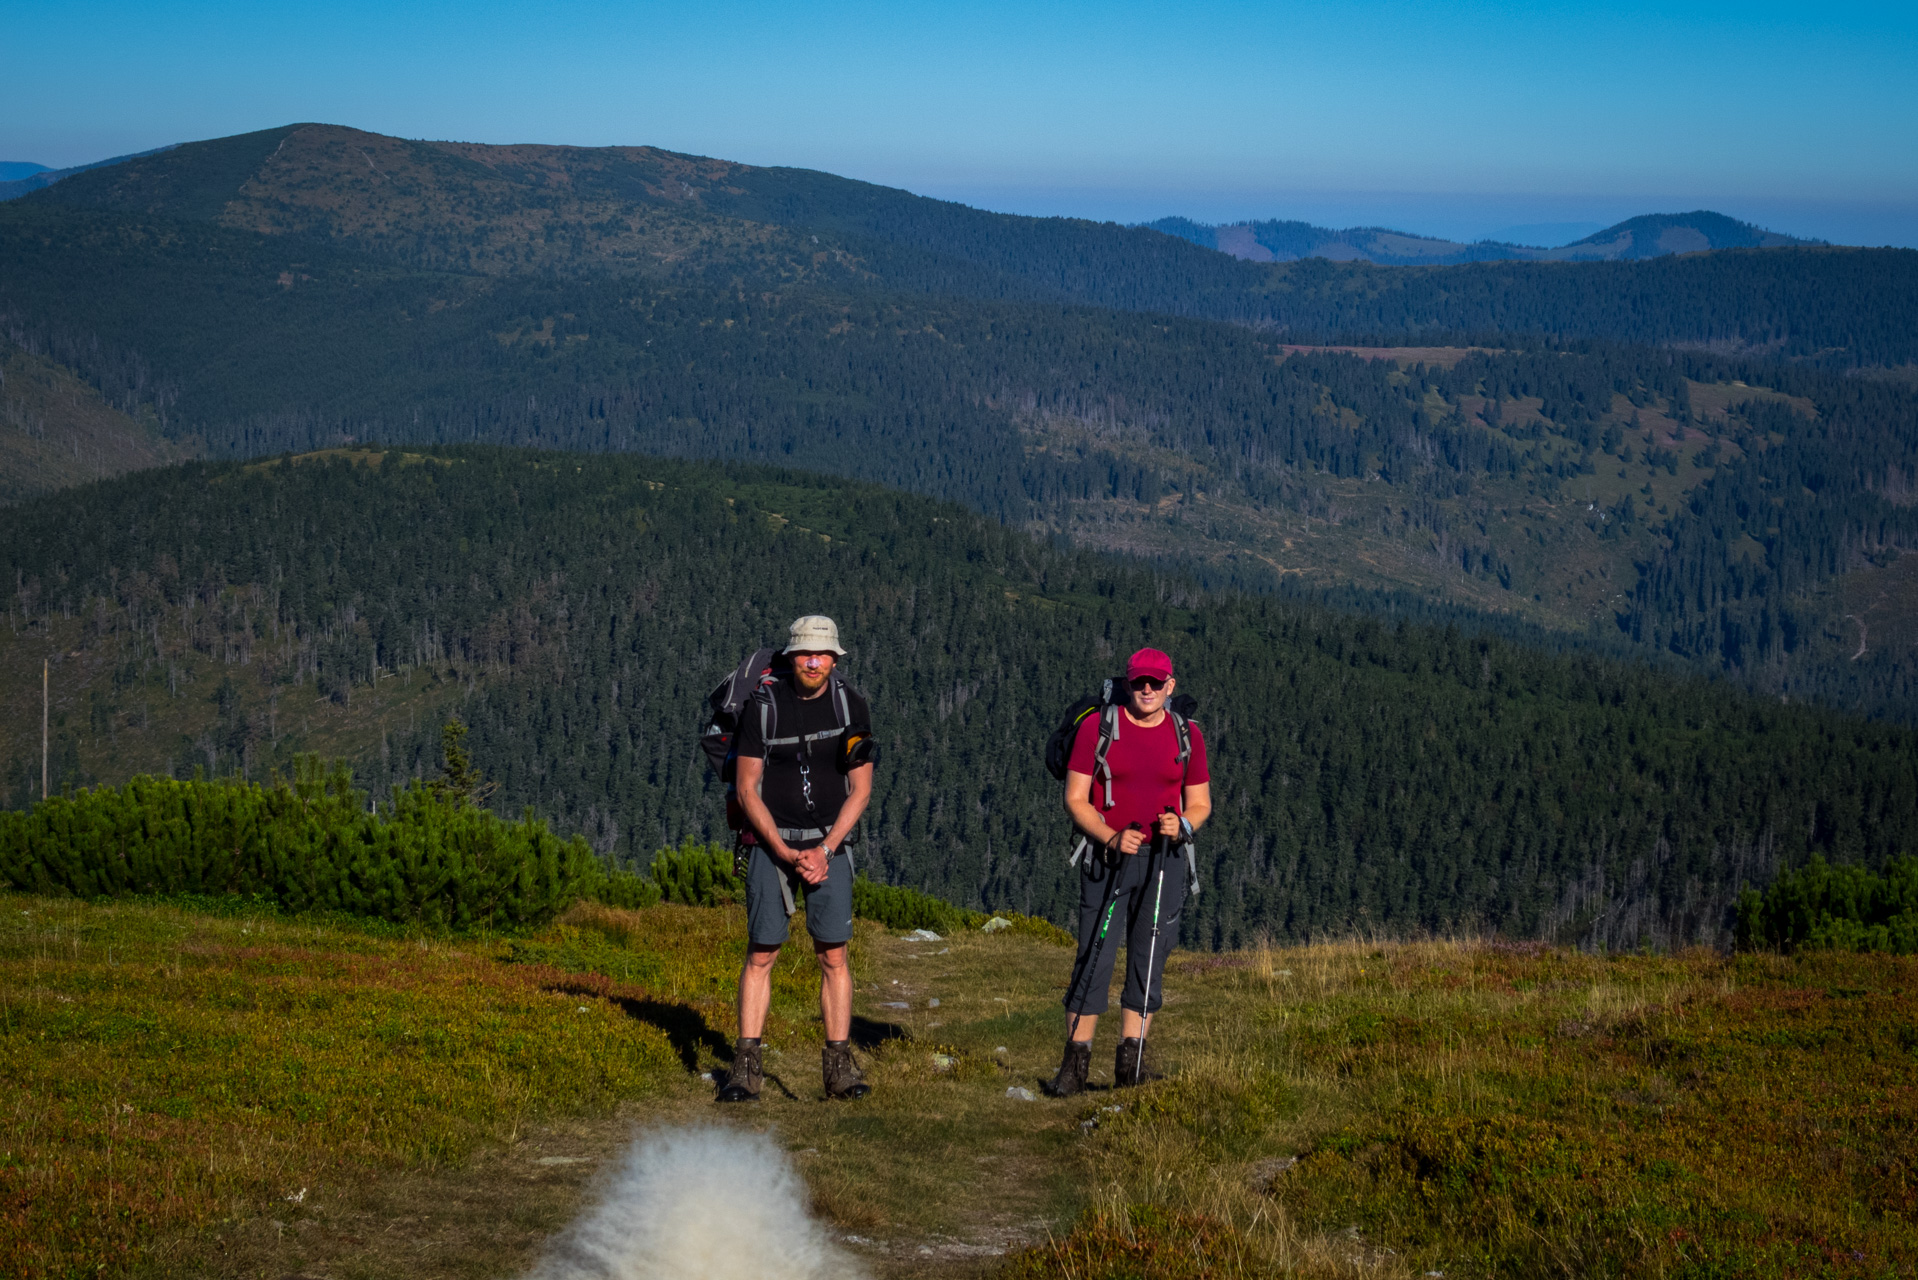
{"type": "Point", "coordinates": [223, 1091]}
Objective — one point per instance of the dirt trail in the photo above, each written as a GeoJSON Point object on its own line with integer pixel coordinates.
{"type": "Point", "coordinates": [939, 1174]}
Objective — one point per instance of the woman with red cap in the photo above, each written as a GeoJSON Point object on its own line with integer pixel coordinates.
{"type": "Point", "coordinates": [1137, 788]}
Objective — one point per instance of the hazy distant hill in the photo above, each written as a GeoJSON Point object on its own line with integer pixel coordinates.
{"type": "Point", "coordinates": [1650, 236]}
{"type": "Point", "coordinates": [13, 170]}
{"type": "Point", "coordinates": [1656, 234]}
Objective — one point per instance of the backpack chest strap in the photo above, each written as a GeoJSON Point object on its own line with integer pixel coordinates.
{"type": "Point", "coordinates": [821, 736]}
{"type": "Point", "coordinates": [803, 743]}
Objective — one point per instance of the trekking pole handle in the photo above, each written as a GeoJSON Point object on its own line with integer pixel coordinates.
{"type": "Point", "coordinates": [1159, 836]}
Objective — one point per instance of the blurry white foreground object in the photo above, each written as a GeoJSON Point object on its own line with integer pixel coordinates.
{"type": "Point", "coordinates": [699, 1204]}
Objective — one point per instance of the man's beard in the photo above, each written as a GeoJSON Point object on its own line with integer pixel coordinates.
{"type": "Point", "coordinates": [810, 683]}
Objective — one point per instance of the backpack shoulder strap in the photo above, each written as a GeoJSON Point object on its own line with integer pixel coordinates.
{"type": "Point", "coordinates": [843, 710]}
{"type": "Point", "coordinates": [1183, 729]}
{"type": "Point", "coordinates": [765, 692]}
{"type": "Point", "coordinates": [1108, 734]}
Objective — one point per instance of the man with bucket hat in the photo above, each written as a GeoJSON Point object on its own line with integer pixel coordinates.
{"type": "Point", "coordinates": [1137, 787]}
{"type": "Point", "coordinates": [803, 778]}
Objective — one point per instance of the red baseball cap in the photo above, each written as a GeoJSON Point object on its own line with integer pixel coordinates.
{"type": "Point", "coordinates": [1149, 662]}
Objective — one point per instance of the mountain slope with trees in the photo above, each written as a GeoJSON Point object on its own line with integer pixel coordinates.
{"type": "Point", "coordinates": [311, 286]}
{"type": "Point", "coordinates": [574, 611]}
{"type": "Point", "coordinates": [56, 431]}
{"type": "Point", "coordinates": [1579, 487]}
{"type": "Point", "coordinates": [643, 211]}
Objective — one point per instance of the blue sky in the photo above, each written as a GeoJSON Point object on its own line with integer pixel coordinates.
{"type": "Point", "coordinates": [1460, 119]}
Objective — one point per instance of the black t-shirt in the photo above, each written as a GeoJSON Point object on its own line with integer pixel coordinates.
{"type": "Point", "coordinates": [803, 786]}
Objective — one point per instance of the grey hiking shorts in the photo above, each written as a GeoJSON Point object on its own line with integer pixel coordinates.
{"type": "Point", "coordinates": [772, 890]}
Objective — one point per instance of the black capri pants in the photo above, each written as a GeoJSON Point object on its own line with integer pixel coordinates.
{"type": "Point", "coordinates": [1139, 879]}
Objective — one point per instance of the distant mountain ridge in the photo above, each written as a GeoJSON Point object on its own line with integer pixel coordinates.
{"type": "Point", "coordinates": [641, 213]}
{"type": "Point", "coordinates": [510, 209]}
{"type": "Point", "coordinates": [1652, 235]}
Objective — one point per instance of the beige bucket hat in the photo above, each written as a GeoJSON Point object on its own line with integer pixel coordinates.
{"type": "Point", "coordinates": [815, 633]}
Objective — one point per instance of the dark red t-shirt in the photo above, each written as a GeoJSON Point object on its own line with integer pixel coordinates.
{"type": "Point", "coordinates": [1146, 778]}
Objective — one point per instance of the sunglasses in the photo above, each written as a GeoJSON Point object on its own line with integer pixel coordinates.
{"type": "Point", "coordinates": [1147, 682]}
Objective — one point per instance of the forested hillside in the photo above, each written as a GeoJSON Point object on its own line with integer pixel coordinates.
{"type": "Point", "coordinates": [1578, 487]}
{"type": "Point", "coordinates": [639, 211]}
{"type": "Point", "coordinates": [308, 287]}
{"type": "Point", "coordinates": [574, 610]}
{"type": "Point", "coordinates": [56, 431]}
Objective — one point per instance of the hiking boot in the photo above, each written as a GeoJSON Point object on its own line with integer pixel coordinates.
{"type": "Point", "coordinates": [841, 1073]}
{"type": "Point", "coordinates": [743, 1081]}
{"type": "Point", "coordinates": [1128, 1068]}
{"type": "Point", "coordinates": [1073, 1070]}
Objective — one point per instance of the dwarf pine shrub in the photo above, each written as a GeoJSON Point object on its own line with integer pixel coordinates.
{"type": "Point", "coordinates": [308, 844]}
{"type": "Point", "coordinates": [898, 907]}
{"type": "Point", "coordinates": [697, 875]}
{"type": "Point", "coordinates": [1837, 908]}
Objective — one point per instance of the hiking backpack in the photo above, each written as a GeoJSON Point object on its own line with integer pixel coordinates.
{"type": "Point", "coordinates": [756, 671]}
{"type": "Point", "coordinates": [1107, 704]}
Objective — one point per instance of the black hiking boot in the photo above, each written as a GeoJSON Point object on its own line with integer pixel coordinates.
{"type": "Point", "coordinates": [1128, 1068]}
{"type": "Point", "coordinates": [841, 1073]}
{"type": "Point", "coordinates": [1073, 1070]}
{"type": "Point", "coordinates": [743, 1081]}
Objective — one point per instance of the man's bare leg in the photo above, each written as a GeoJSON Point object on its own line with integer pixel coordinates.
{"type": "Point", "coordinates": [756, 990]}
{"type": "Point", "coordinates": [835, 989]}
{"type": "Point", "coordinates": [836, 1066]}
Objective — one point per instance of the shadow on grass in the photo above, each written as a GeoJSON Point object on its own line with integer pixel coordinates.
{"type": "Point", "coordinates": [686, 1028]}
{"type": "Point", "coordinates": [868, 1034]}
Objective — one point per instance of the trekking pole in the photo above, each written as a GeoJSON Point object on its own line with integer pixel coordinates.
{"type": "Point", "coordinates": [1099, 943]}
{"type": "Point", "coordinates": [1152, 948]}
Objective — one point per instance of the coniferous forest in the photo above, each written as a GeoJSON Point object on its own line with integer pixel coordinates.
{"type": "Point", "coordinates": [573, 611]}
{"type": "Point", "coordinates": [1603, 537]}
